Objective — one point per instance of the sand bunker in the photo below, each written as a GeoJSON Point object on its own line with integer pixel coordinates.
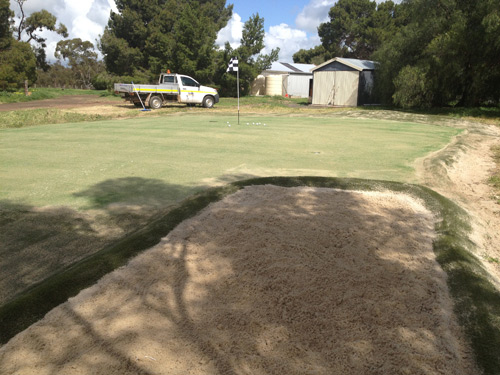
{"type": "Point", "coordinates": [269, 281]}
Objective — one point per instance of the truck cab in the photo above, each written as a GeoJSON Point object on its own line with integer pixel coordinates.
{"type": "Point", "coordinates": [189, 90]}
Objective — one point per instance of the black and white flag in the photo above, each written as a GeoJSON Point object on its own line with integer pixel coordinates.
{"type": "Point", "coordinates": [233, 65]}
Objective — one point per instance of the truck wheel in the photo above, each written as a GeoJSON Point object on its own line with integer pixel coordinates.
{"type": "Point", "coordinates": [155, 102]}
{"type": "Point", "coordinates": [208, 102]}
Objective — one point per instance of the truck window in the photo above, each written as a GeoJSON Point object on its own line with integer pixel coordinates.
{"type": "Point", "coordinates": [186, 81]}
{"type": "Point", "coordinates": [168, 79]}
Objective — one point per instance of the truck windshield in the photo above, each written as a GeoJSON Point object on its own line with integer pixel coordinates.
{"type": "Point", "coordinates": [186, 81]}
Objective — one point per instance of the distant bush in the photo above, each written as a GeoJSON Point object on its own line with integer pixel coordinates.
{"type": "Point", "coordinates": [411, 90]}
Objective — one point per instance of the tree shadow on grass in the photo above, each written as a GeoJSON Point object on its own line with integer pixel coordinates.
{"type": "Point", "coordinates": [37, 242]}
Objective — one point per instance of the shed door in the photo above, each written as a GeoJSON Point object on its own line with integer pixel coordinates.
{"type": "Point", "coordinates": [336, 88]}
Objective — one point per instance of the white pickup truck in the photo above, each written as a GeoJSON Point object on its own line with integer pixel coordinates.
{"type": "Point", "coordinates": [171, 88]}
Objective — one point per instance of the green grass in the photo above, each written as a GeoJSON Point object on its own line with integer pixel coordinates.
{"type": "Point", "coordinates": [70, 164]}
{"type": "Point", "coordinates": [495, 178]}
{"type": "Point", "coordinates": [263, 101]}
{"type": "Point", "coordinates": [45, 93]}
{"type": "Point", "coordinates": [477, 302]}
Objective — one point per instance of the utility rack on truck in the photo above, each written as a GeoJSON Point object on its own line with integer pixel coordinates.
{"type": "Point", "coordinates": [171, 88]}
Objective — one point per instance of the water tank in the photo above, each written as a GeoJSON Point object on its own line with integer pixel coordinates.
{"type": "Point", "coordinates": [274, 85]}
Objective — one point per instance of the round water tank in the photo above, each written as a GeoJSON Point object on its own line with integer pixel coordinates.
{"type": "Point", "coordinates": [274, 85]}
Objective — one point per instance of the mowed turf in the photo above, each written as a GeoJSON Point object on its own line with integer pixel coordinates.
{"type": "Point", "coordinates": [85, 165]}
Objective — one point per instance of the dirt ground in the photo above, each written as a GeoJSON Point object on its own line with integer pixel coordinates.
{"type": "Point", "coordinates": [283, 281]}
{"type": "Point", "coordinates": [63, 102]}
{"type": "Point", "coordinates": [268, 281]}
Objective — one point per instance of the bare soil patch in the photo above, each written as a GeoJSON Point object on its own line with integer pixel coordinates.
{"type": "Point", "coordinates": [63, 102]}
{"type": "Point", "coordinates": [268, 281]}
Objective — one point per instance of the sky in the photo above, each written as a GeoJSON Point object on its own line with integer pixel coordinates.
{"type": "Point", "coordinates": [289, 25]}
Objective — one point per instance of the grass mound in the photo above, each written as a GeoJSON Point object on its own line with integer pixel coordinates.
{"type": "Point", "coordinates": [477, 302]}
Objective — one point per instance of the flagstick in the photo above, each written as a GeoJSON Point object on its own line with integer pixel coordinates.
{"type": "Point", "coordinates": [238, 89]}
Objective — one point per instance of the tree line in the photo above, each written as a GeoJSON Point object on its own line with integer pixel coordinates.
{"type": "Point", "coordinates": [428, 52]}
{"type": "Point", "coordinates": [141, 39]}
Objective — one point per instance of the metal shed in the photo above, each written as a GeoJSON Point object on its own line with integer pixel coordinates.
{"type": "Point", "coordinates": [294, 80]}
{"type": "Point", "coordinates": [343, 82]}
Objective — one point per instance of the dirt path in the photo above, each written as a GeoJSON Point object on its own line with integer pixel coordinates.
{"type": "Point", "coordinates": [63, 102]}
{"type": "Point", "coordinates": [268, 281]}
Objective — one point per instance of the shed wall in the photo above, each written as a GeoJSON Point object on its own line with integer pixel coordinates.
{"type": "Point", "coordinates": [298, 85]}
{"type": "Point", "coordinates": [336, 66]}
{"type": "Point", "coordinates": [336, 88]}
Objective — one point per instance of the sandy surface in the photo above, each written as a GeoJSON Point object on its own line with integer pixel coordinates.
{"type": "Point", "coordinates": [460, 172]}
{"type": "Point", "coordinates": [268, 281]}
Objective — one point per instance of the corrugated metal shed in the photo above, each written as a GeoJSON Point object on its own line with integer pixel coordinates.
{"type": "Point", "coordinates": [355, 64]}
{"type": "Point", "coordinates": [283, 67]}
{"type": "Point", "coordinates": [295, 79]}
{"type": "Point", "coordinates": [343, 82]}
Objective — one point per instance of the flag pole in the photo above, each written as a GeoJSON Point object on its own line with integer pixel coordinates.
{"type": "Point", "coordinates": [238, 90]}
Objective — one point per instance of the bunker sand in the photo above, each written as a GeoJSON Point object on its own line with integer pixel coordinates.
{"type": "Point", "coordinates": [268, 281]}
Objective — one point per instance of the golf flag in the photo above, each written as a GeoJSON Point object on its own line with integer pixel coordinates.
{"type": "Point", "coordinates": [233, 65]}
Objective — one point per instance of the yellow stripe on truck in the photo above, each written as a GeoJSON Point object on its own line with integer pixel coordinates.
{"type": "Point", "coordinates": [199, 92]}
{"type": "Point", "coordinates": [157, 90]}
{"type": "Point", "coordinates": [164, 90]}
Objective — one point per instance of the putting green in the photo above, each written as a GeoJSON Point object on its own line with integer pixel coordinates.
{"type": "Point", "coordinates": [157, 161]}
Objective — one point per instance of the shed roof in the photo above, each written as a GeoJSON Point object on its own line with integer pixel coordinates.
{"type": "Point", "coordinates": [291, 67]}
{"type": "Point", "coordinates": [353, 63]}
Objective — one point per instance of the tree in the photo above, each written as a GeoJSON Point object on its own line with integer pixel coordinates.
{"type": "Point", "coordinates": [250, 62]}
{"type": "Point", "coordinates": [155, 35]}
{"type": "Point", "coordinates": [31, 26]}
{"type": "Point", "coordinates": [5, 32]}
{"type": "Point", "coordinates": [56, 76]}
{"type": "Point", "coordinates": [82, 59]}
{"type": "Point", "coordinates": [17, 64]}
{"type": "Point", "coordinates": [450, 45]}
{"type": "Point", "coordinates": [357, 27]}
{"type": "Point", "coordinates": [17, 60]}
{"type": "Point", "coordinates": [316, 55]}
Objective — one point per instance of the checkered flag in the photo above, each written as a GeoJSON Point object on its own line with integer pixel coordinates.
{"type": "Point", "coordinates": [233, 65]}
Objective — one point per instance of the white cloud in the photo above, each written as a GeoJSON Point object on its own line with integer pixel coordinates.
{"type": "Point", "coordinates": [313, 14]}
{"type": "Point", "coordinates": [232, 33]}
{"type": "Point", "coordinates": [85, 19]}
{"type": "Point", "coordinates": [289, 41]}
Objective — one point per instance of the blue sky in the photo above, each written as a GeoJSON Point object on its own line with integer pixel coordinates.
{"type": "Point", "coordinates": [290, 25]}
{"type": "Point", "coordinates": [274, 12]}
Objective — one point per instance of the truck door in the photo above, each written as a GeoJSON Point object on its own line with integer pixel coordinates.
{"type": "Point", "coordinates": [190, 90]}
